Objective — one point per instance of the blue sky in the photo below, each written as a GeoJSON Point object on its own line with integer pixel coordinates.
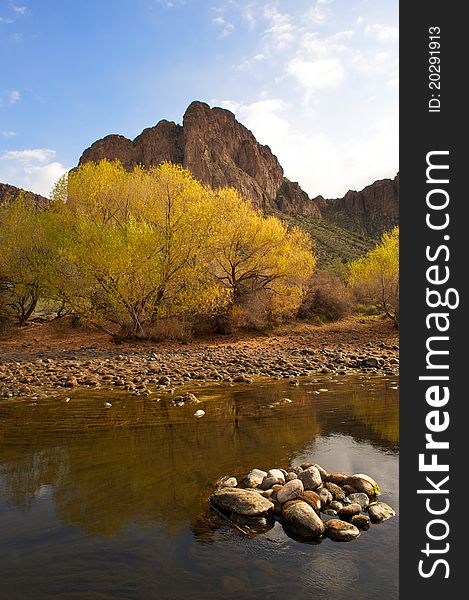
{"type": "Point", "coordinates": [316, 80]}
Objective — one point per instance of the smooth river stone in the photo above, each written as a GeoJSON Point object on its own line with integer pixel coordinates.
{"type": "Point", "coordinates": [349, 511]}
{"type": "Point", "coordinates": [290, 491]}
{"type": "Point", "coordinates": [227, 482]}
{"type": "Point", "coordinates": [311, 498]}
{"type": "Point", "coordinates": [254, 478]}
{"type": "Point", "coordinates": [324, 474]}
{"type": "Point", "coordinates": [341, 531]}
{"type": "Point", "coordinates": [337, 478]}
{"type": "Point", "coordinates": [311, 478]}
{"type": "Point", "coordinates": [269, 482]}
{"type": "Point", "coordinates": [380, 511]}
{"type": "Point", "coordinates": [359, 498]}
{"type": "Point", "coordinates": [243, 502]}
{"type": "Point", "coordinates": [336, 491]}
{"type": "Point", "coordinates": [364, 483]}
{"type": "Point", "coordinates": [277, 473]}
{"type": "Point", "coordinates": [361, 521]}
{"type": "Point", "coordinates": [301, 519]}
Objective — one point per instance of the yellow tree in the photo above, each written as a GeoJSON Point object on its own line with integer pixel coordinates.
{"type": "Point", "coordinates": [131, 246]}
{"type": "Point", "coordinates": [26, 256]}
{"type": "Point", "coordinates": [375, 277]}
{"type": "Point", "coordinates": [254, 256]}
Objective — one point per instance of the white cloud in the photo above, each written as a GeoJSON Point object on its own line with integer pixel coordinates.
{"type": "Point", "coordinates": [6, 21]}
{"type": "Point", "coordinates": [8, 134]}
{"type": "Point", "coordinates": [226, 27]}
{"type": "Point", "coordinates": [20, 10]}
{"type": "Point", "coordinates": [32, 169]}
{"type": "Point", "coordinates": [317, 15]}
{"type": "Point", "coordinates": [15, 96]}
{"type": "Point", "coordinates": [248, 16]}
{"type": "Point", "coordinates": [383, 33]}
{"type": "Point", "coordinates": [317, 74]}
{"type": "Point", "coordinates": [280, 32]}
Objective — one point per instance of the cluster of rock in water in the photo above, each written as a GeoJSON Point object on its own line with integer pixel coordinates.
{"type": "Point", "coordinates": [308, 501]}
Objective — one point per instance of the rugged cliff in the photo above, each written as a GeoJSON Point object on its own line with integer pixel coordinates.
{"type": "Point", "coordinates": [371, 211]}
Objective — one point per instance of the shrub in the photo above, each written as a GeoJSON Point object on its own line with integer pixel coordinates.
{"type": "Point", "coordinates": [327, 298]}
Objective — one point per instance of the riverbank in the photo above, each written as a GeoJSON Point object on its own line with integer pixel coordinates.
{"type": "Point", "coordinates": [45, 358]}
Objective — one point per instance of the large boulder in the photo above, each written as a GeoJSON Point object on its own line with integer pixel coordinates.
{"type": "Point", "coordinates": [363, 483]}
{"type": "Point", "coordinates": [243, 502]}
{"type": "Point", "coordinates": [301, 519]}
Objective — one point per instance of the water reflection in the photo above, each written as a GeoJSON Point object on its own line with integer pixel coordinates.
{"type": "Point", "coordinates": [138, 475]}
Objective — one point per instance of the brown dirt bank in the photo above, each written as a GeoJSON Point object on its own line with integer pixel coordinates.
{"type": "Point", "coordinates": [48, 356]}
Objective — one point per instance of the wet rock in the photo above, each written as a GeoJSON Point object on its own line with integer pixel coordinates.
{"type": "Point", "coordinates": [254, 478]}
{"type": "Point", "coordinates": [325, 497]}
{"type": "Point", "coordinates": [359, 498]}
{"type": "Point", "coordinates": [291, 476]}
{"type": "Point", "coordinates": [311, 478]}
{"type": "Point", "coordinates": [337, 492]}
{"type": "Point", "coordinates": [249, 521]}
{"type": "Point", "coordinates": [165, 380]}
{"type": "Point", "coordinates": [311, 498]}
{"type": "Point", "coordinates": [341, 531]}
{"type": "Point", "coordinates": [244, 502]}
{"type": "Point", "coordinates": [227, 482]}
{"type": "Point", "coordinates": [330, 512]}
{"type": "Point", "coordinates": [347, 512]}
{"type": "Point", "coordinates": [364, 484]}
{"type": "Point", "coordinates": [380, 511]}
{"type": "Point", "coordinates": [290, 491]}
{"type": "Point", "coordinates": [296, 470]}
{"type": "Point", "coordinates": [337, 478]}
{"type": "Point", "coordinates": [301, 519]}
{"type": "Point", "coordinates": [199, 414]}
{"type": "Point", "coordinates": [361, 521]}
{"type": "Point", "coordinates": [324, 474]}
{"type": "Point", "coordinates": [269, 482]}
{"type": "Point", "coordinates": [277, 473]}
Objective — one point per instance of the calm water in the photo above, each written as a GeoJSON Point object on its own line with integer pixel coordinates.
{"type": "Point", "coordinates": [112, 504]}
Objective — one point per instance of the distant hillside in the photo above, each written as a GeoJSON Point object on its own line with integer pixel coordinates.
{"type": "Point", "coordinates": [8, 193]}
{"type": "Point", "coordinates": [335, 245]}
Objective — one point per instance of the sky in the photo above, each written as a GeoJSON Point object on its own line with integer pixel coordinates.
{"type": "Point", "coordinates": [316, 80]}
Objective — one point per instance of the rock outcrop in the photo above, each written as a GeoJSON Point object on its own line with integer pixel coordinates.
{"type": "Point", "coordinates": [211, 143]}
{"type": "Point", "coordinates": [8, 193]}
{"type": "Point", "coordinates": [220, 152]}
{"type": "Point", "coordinates": [370, 211]}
